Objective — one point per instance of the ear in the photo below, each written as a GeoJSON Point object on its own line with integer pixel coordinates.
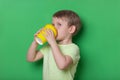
{"type": "Point", "coordinates": [72, 29]}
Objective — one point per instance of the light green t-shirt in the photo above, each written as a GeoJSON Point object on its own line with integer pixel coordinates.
{"type": "Point", "coordinates": [50, 69]}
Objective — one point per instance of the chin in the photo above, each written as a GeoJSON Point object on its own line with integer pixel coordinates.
{"type": "Point", "coordinates": [58, 39]}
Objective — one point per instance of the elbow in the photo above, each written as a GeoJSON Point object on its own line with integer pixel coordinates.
{"type": "Point", "coordinates": [29, 59]}
{"type": "Point", "coordinates": [62, 67]}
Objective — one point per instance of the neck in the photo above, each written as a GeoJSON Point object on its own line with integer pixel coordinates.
{"type": "Point", "coordinates": [65, 41]}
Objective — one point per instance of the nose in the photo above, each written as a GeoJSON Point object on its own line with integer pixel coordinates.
{"type": "Point", "coordinates": [55, 26]}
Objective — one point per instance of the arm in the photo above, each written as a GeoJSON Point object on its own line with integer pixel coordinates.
{"type": "Point", "coordinates": [62, 61]}
{"type": "Point", "coordinates": [34, 55]}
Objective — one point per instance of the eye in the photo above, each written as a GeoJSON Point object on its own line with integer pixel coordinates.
{"type": "Point", "coordinates": [59, 24]}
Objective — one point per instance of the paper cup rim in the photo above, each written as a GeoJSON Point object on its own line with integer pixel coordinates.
{"type": "Point", "coordinates": [38, 40]}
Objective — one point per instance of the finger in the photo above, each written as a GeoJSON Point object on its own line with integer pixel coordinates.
{"type": "Point", "coordinates": [45, 35]}
{"type": "Point", "coordinates": [49, 31]}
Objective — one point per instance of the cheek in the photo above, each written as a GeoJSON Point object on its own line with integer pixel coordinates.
{"type": "Point", "coordinates": [62, 31]}
{"type": "Point", "coordinates": [62, 34]}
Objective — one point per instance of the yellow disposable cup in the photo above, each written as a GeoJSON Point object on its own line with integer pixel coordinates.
{"type": "Point", "coordinates": [40, 39]}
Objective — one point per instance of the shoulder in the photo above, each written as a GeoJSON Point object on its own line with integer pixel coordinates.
{"type": "Point", "coordinates": [71, 46]}
{"type": "Point", "coordinates": [71, 50]}
{"type": "Point", "coordinates": [45, 49]}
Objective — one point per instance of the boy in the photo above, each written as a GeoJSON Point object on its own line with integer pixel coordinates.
{"type": "Point", "coordinates": [61, 56]}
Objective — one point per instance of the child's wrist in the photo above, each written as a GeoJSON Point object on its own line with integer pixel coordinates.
{"type": "Point", "coordinates": [53, 44]}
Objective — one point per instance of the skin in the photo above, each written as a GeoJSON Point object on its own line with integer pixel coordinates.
{"type": "Point", "coordinates": [62, 61]}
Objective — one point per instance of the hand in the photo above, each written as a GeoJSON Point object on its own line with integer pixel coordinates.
{"type": "Point", "coordinates": [50, 37]}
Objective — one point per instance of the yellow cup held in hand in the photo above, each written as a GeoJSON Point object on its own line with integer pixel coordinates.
{"type": "Point", "coordinates": [40, 39]}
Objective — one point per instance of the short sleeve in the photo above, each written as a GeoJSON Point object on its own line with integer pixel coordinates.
{"type": "Point", "coordinates": [73, 51]}
{"type": "Point", "coordinates": [44, 49]}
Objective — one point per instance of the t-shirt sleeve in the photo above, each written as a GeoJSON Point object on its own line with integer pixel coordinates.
{"type": "Point", "coordinates": [44, 49]}
{"type": "Point", "coordinates": [74, 53]}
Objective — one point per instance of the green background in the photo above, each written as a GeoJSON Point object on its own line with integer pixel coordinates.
{"type": "Point", "coordinates": [99, 39]}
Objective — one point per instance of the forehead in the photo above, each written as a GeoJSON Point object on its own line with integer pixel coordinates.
{"type": "Point", "coordinates": [61, 20]}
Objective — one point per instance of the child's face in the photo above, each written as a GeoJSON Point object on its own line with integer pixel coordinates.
{"type": "Point", "coordinates": [62, 28]}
